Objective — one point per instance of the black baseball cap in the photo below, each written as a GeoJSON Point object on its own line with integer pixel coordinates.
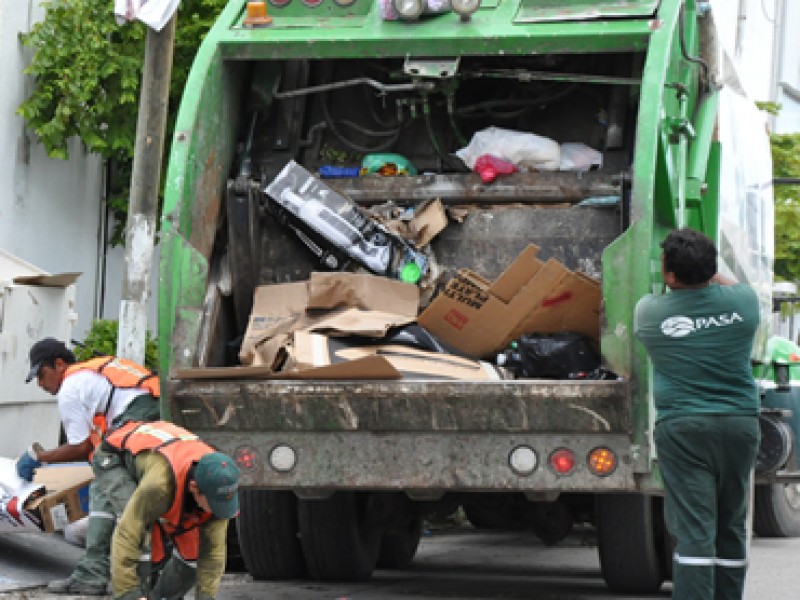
{"type": "Point", "coordinates": [45, 349]}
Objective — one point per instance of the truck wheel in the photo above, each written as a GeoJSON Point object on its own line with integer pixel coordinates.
{"type": "Point", "coordinates": [267, 528]}
{"type": "Point", "coordinates": [399, 547]}
{"type": "Point", "coordinates": [339, 541]}
{"type": "Point", "coordinates": [630, 545]}
{"type": "Point", "coordinates": [777, 510]}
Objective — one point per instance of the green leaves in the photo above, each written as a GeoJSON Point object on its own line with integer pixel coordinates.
{"type": "Point", "coordinates": [786, 163]}
{"type": "Point", "coordinates": [87, 72]}
{"type": "Point", "coordinates": [102, 341]}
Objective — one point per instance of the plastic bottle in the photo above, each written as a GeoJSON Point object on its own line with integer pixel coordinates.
{"type": "Point", "coordinates": [510, 359]}
{"type": "Point", "coordinates": [488, 166]}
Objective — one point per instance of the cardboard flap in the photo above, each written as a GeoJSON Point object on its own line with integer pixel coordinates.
{"type": "Point", "coordinates": [60, 280]}
{"type": "Point", "coordinates": [517, 274]}
{"type": "Point", "coordinates": [428, 221]}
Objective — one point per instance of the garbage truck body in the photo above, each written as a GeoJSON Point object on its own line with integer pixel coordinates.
{"type": "Point", "coordinates": [338, 474]}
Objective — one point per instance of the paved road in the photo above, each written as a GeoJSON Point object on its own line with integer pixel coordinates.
{"type": "Point", "coordinates": [454, 564]}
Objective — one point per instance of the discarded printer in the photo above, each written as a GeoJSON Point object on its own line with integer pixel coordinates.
{"type": "Point", "coordinates": [337, 230]}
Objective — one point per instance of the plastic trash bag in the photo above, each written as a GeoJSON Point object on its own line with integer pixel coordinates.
{"type": "Point", "coordinates": [576, 156]}
{"type": "Point", "coordinates": [526, 151]}
{"type": "Point", "coordinates": [563, 355]}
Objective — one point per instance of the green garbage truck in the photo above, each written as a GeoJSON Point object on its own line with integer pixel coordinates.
{"type": "Point", "coordinates": [339, 474]}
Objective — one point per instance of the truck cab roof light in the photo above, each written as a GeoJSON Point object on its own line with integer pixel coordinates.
{"type": "Point", "coordinates": [602, 461]}
{"type": "Point", "coordinates": [257, 14]}
{"type": "Point", "coordinates": [408, 10]}
{"type": "Point", "coordinates": [465, 8]}
{"type": "Point", "coordinates": [562, 461]}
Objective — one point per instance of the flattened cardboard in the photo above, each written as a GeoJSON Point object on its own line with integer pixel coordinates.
{"type": "Point", "coordinates": [312, 351]}
{"type": "Point", "coordinates": [61, 503]}
{"type": "Point", "coordinates": [369, 367]}
{"type": "Point", "coordinates": [359, 290]}
{"type": "Point", "coordinates": [530, 296]}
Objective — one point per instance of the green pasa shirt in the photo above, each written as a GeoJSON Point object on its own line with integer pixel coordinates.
{"type": "Point", "coordinates": [700, 341]}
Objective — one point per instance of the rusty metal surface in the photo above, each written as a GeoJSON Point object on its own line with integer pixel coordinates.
{"type": "Point", "coordinates": [520, 187]}
{"type": "Point", "coordinates": [423, 406]}
{"type": "Point", "coordinates": [427, 462]}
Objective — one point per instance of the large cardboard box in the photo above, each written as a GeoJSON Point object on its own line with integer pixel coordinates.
{"type": "Point", "coordinates": [480, 318]}
{"type": "Point", "coordinates": [61, 504]}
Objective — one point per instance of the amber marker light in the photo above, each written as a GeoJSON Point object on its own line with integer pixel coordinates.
{"type": "Point", "coordinates": [562, 461]}
{"type": "Point", "coordinates": [245, 457]}
{"type": "Point", "coordinates": [257, 14]}
{"type": "Point", "coordinates": [602, 461]}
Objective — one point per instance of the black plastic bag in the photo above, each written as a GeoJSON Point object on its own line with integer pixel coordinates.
{"type": "Point", "coordinates": [564, 355]}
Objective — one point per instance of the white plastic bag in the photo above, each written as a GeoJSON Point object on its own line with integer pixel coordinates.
{"type": "Point", "coordinates": [576, 156]}
{"type": "Point", "coordinates": [153, 13]}
{"type": "Point", "coordinates": [527, 151]}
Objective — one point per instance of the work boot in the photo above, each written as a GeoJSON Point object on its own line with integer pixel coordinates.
{"type": "Point", "coordinates": [75, 587]}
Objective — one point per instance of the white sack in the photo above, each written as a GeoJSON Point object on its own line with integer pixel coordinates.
{"type": "Point", "coordinates": [527, 151]}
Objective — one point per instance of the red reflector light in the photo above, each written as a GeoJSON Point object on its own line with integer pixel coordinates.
{"type": "Point", "coordinates": [562, 461]}
{"type": "Point", "coordinates": [245, 457]}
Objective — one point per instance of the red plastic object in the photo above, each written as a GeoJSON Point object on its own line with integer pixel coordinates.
{"type": "Point", "coordinates": [489, 167]}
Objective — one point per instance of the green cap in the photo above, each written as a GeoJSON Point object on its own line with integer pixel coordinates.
{"type": "Point", "coordinates": [217, 478]}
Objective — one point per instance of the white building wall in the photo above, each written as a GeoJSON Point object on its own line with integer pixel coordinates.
{"type": "Point", "coordinates": [51, 211]}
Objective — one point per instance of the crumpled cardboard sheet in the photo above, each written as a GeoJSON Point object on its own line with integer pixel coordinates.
{"type": "Point", "coordinates": [335, 303]}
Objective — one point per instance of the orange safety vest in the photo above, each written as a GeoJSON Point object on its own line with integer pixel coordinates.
{"type": "Point", "coordinates": [182, 449]}
{"type": "Point", "coordinates": [120, 373]}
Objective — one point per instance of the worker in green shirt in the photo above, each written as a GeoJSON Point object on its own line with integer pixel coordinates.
{"type": "Point", "coordinates": [185, 493]}
{"type": "Point", "coordinates": [700, 338]}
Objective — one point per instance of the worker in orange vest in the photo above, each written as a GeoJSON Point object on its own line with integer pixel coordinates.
{"type": "Point", "coordinates": [185, 494]}
{"type": "Point", "coordinates": [94, 396]}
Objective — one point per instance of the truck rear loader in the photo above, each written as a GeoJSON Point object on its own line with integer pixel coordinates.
{"type": "Point", "coordinates": [338, 475]}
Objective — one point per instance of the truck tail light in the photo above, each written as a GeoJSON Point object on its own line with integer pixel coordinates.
{"type": "Point", "coordinates": [282, 458]}
{"type": "Point", "coordinates": [562, 461]}
{"type": "Point", "coordinates": [602, 461]}
{"type": "Point", "coordinates": [522, 460]}
{"type": "Point", "coordinates": [245, 457]}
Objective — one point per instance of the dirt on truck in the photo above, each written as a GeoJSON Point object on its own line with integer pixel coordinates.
{"type": "Point", "coordinates": [448, 173]}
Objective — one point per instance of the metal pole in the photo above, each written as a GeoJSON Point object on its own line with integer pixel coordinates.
{"type": "Point", "coordinates": [143, 206]}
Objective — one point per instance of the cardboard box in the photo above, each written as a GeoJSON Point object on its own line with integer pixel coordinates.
{"type": "Point", "coordinates": [61, 503]}
{"type": "Point", "coordinates": [311, 351]}
{"type": "Point", "coordinates": [480, 318]}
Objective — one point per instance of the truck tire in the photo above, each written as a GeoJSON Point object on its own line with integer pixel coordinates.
{"type": "Point", "coordinates": [777, 510]}
{"type": "Point", "coordinates": [398, 548]}
{"type": "Point", "coordinates": [268, 540]}
{"type": "Point", "coordinates": [339, 541]}
{"type": "Point", "coordinates": [630, 545]}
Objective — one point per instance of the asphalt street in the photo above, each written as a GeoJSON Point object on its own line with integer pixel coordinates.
{"type": "Point", "coordinates": [452, 564]}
